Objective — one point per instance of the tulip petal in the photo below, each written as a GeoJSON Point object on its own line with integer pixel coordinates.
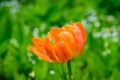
{"type": "Point", "coordinates": [39, 54]}
{"type": "Point", "coordinates": [66, 50]}
{"type": "Point", "coordinates": [59, 34]}
{"type": "Point", "coordinates": [82, 30]}
{"type": "Point", "coordinates": [79, 39]}
{"type": "Point", "coordinates": [41, 49]}
{"type": "Point", "coordinates": [59, 52]}
{"type": "Point", "coordinates": [38, 41]}
{"type": "Point", "coordinates": [68, 39]}
{"type": "Point", "coordinates": [54, 32]}
{"type": "Point", "coordinates": [68, 28]}
{"type": "Point", "coordinates": [50, 51]}
{"type": "Point", "coordinates": [63, 52]}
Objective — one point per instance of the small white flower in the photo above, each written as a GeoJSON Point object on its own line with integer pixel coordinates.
{"type": "Point", "coordinates": [52, 72]}
{"type": "Point", "coordinates": [115, 39]}
{"type": "Point", "coordinates": [97, 24]}
{"type": "Point", "coordinates": [32, 74]}
{"type": "Point", "coordinates": [106, 44]}
{"type": "Point", "coordinates": [29, 55]}
{"type": "Point", "coordinates": [43, 27]}
{"type": "Point", "coordinates": [35, 31]}
{"type": "Point", "coordinates": [84, 21]}
{"type": "Point", "coordinates": [92, 18]}
{"type": "Point", "coordinates": [114, 33]}
{"type": "Point", "coordinates": [14, 42]}
{"type": "Point", "coordinates": [33, 62]}
{"type": "Point", "coordinates": [97, 35]}
{"type": "Point", "coordinates": [110, 18]}
{"type": "Point", "coordinates": [106, 35]}
{"type": "Point", "coordinates": [29, 59]}
{"type": "Point", "coordinates": [106, 52]}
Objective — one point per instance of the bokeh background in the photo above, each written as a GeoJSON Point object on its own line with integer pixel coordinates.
{"type": "Point", "coordinates": [21, 19]}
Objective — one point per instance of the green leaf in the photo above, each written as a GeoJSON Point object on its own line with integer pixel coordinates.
{"type": "Point", "coordinates": [115, 75]}
{"type": "Point", "coordinates": [5, 28]}
{"type": "Point", "coordinates": [40, 70]}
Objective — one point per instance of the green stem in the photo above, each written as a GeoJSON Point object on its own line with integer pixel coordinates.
{"type": "Point", "coordinates": [69, 70]}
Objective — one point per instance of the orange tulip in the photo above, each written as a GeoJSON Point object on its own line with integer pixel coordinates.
{"type": "Point", "coordinates": [60, 44]}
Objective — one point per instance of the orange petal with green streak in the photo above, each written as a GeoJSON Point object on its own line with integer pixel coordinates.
{"type": "Point", "coordinates": [50, 51]}
{"type": "Point", "coordinates": [39, 54]}
{"type": "Point", "coordinates": [68, 28]}
{"type": "Point", "coordinates": [54, 34]}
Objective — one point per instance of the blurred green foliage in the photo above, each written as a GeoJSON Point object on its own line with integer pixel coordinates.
{"type": "Point", "coordinates": [21, 19]}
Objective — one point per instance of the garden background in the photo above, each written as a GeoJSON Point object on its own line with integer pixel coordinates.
{"type": "Point", "coordinates": [20, 20]}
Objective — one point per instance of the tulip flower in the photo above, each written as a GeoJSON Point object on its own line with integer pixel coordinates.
{"type": "Point", "coordinates": [60, 44]}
